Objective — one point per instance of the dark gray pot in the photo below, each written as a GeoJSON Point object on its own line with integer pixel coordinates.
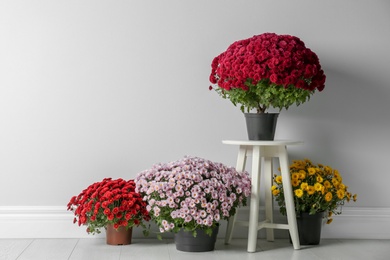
{"type": "Point", "coordinates": [309, 228]}
{"type": "Point", "coordinates": [185, 241]}
{"type": "Point", "coordinates": [261, 126]}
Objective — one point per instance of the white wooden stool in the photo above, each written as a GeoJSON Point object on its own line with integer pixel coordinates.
{"type": "Point", "coordinates": [266, 150]}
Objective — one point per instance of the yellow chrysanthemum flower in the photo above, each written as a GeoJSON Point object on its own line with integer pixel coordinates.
{"type": "Point", "coordinates": [328, 196]}
{"type": "Point", "coordinates": [295, 176]}
{"type": "Point", "coordinates": [310, 190]}
{"type": "Point", "coordinates": [275, 192]}
{"type": "Point", "coordinates": [335, 182]}
{"type": "Point", "coordinates": [304, 185]}
{"type": "Point", "coordinates": [337, 176]}
{"type": "Point", "coordinates": [292, 166]}
{"type": "Point", "coordinates": [340, 194]}
{"type": "Point", "coordinates": [298, 164]}
{"type": "Point", "coordinates": [328, 169]}
{"type": "Point", "coordinates": [318, 186]}
{"type": "Point", "coordinates": [302, 174]}
{"type": "Point", "coordinates": [311, 171]}
{"type": "Point", "coordinates": [327, 184]}
{"type": "Point", "coordinates": [308, 161]}
{"type": "Point", "coordinates": [348, 196]}
{"type": "Point", "coordinates": [295, 182]}
{"type": "Point", "coordinates": [273, 187]}
{"type": "Point", "coordinates": [298, 193]}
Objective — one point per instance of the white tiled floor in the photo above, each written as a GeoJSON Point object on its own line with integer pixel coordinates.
{"type": "Point", "coordinates": [144, 249]}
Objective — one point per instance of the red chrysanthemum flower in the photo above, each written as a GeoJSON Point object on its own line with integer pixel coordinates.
{"type": "Point", "coordinates": [109, 202]}
{"type": "Point", "coordinates": [267, 70]}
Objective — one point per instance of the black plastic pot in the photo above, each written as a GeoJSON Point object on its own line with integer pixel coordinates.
{"type": "Point", "coordinates": [261, 126]}
{"type": "Point", "coordinates": [309, 228]}
{"type": "Point", "coordinates": [185, 241]}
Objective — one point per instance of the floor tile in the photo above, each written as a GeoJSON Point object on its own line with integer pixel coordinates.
{"type": "Point", "coordinates": [11, 248]}
{"type": "Point", "coordinates": [150, 249]}
{"type": "Point", "coordinates": [146, 249]}
{"type": "Point", "coordinates": [49, 249]}
{"type": "Point", "coordinates": [95, 249]}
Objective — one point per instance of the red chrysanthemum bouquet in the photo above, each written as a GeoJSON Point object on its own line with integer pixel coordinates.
{"type": "Point", "coordinates": [267, 70]}
{"type": "Point", "coordinates": [109, 202]}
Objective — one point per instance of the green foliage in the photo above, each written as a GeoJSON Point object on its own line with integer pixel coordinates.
{"type": "Point", "coordinates": [209, 231]}
{"type": "Point", "coordinates": [264, 95]}
{"type": "Point", "coordinates": [146, 231]}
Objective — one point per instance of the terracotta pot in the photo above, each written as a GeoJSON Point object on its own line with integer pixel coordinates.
{"type": "Point", "coordinates": [119, 236]}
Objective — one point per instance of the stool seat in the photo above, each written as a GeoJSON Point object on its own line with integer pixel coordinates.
{"type": "Point", "coordinates": [265, 150]}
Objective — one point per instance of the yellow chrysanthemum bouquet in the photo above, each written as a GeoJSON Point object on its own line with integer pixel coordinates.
{"type": "Point", "coordinates": [316, 188]}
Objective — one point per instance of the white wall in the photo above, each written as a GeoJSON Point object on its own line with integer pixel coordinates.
{"type": "Point", "coordinates": [94, 89]}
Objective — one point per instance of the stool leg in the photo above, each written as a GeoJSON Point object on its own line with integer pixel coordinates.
{"type": "Point", "coordinates": [240, 166]}
{"type": "Point", "coordinates": [229, 229]}
{"type": "Point", "coordinates": [269, 205]}
{"type": "Point", "coordinates": [290, 208]}
{"type": "Point", "coordinates": [255, 200]}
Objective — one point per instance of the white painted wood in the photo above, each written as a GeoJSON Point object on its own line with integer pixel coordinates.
{"type": "Point", "coordinates": [265, 150]}
{"type": "Point", "coordinates": [255, 199]}
{"type": "Point", "coordinates": [358, 223]}
{"type": "Point", "coordinates": [48, 222]}
{"type": "Point", "coordinates": [269, 205]}
{"type": "Point", "coordinates": [240, 166]}
{"type": "Point", "coordinates": [42, 222]}
{"type": "Point", "coordinates": [288, 196]}
{"type": "Point", "coordinates": [261, 143]}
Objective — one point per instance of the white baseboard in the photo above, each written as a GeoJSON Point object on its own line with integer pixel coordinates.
{"type": "Point", "coordinates": [39, 222]}
{"type": "Point", "coordinates": [359, 223]}
{"type": "Point", "coordinates": [57, 222]}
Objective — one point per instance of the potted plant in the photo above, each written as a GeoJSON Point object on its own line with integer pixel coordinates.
{"type": "Point", "coordinates": [266, 70]}
{"type": "Point", "coordinates": [319, 192]}
{"type": "Point", "coordinates": [190, 197]}
{"type": "Point", "coordinates": [113, 205]}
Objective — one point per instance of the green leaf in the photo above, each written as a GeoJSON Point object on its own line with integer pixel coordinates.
{"type": "Point", "coordinates": [264, 95]}
{"type": "Point", "coordinates": [209, 231]}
